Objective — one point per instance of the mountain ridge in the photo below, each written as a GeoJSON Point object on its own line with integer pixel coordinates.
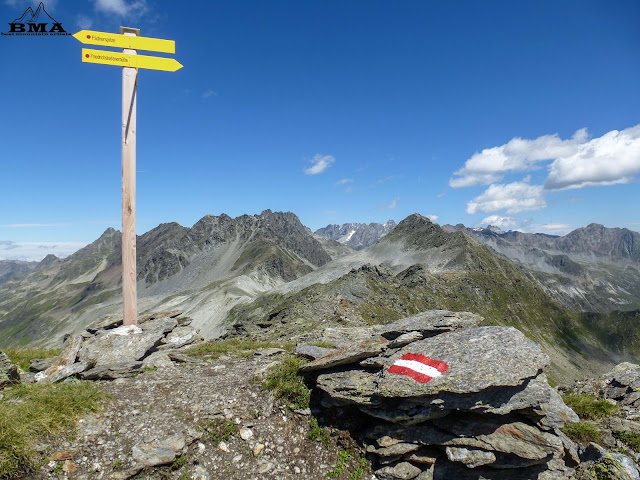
{"type": "Point", "coordinates": [269, 275]}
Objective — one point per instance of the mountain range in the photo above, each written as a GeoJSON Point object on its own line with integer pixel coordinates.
{"type": "Point", "coordinates": [268, 276]}
{"type": "Point", "coordinates": [15, 269]}
{"type": "Point", "coordinates": [357, 235]}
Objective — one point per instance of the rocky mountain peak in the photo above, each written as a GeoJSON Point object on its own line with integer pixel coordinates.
{"type": "Point", "coordinates": [494, 229]}
{"type": "Point", "coordinates": [596, 238]}
{"type": "Point", "coordinates": [420, 232]}
{"type": "Point", "coordinates": [48, 260]}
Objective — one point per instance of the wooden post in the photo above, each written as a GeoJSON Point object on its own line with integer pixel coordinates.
{"type": "Point", "coordinates": [129, 94]}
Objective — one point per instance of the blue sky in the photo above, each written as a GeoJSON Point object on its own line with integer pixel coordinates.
{"type": "Point", "coordinates": [521, 114]}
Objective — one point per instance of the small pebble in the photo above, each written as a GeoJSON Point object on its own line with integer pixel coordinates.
{"type": "Point", "coordinates": [245, 433]}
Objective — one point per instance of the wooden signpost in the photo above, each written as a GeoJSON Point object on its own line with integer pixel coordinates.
{"type": "Point", "coordinates": [130, 40]}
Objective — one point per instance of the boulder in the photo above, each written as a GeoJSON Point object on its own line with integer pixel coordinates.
{"type": "Point", "coordinates": [40, 364]}
{"type": "Point", "coordinates": [623, 384]}
{"type": "Point", "coordinates": [109, 347]}
{"type": "Point", "coordinates": [475, 359]}
{"type": "Point", "coordinates": [400, 471]}
{"type": "Point", "coordinates": [180, 337]}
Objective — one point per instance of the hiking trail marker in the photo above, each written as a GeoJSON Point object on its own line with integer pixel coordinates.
{"type": "Point", "coordinates": [130, 41]}
{"type": "Point", "coordinates": [419, 367]}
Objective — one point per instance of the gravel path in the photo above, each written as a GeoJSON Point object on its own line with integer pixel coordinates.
{"type": "Point", "coordinates": [203, 420]}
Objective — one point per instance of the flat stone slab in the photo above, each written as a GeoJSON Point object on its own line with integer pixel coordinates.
{"type": "Point", "coordinates": [112, 371]}
{"type": "Point", "coordinates": [429, 323]}
{"type": "Point", "coordinates": [312, 352]}
{"type": "Point", "coordinates": [159, 452]}
{"type": "Point", "coordinates": [352, 354]}
{"type": "Point", "coordinates": [478, 432]}
{"type": "Point", "coordinates": [477, 358]}
{"type": "Point", "coordinates": [62, 372]}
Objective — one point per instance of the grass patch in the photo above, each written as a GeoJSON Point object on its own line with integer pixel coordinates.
{"type": "Point", "coordinates": [341, 464]}
{"type": "Point", "coordinates": [32, 412]}
{"type": "Point", "coordinates": [179, 462]}
{"type": "Point", "coordinates": [588, 408]}
{"type": "Point", "coordinates": [23, 356]}
{"type": "Point", "coordinates": [232, 346]}
{"type": "Point", "coordinates": [287, 384]}
{"type": "Point", "coordinates": [582, 432]}
{"type": "Point", "coordinates": [632, 440]}
{"type": "Point", "coordinates": [360, 469]}
{"type": "Point", "coordinates": [318, 433]}
{"type": "Point", "coordinates": [220, 431]}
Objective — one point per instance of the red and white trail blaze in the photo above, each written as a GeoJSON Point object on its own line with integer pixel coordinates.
{"type": "Point", "coordinates": [419, 367]}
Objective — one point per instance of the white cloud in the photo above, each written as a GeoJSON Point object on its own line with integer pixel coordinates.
{"type": "Point", "coordinates": [433, 217]}
{"type": "Point", "coordinates": [209, 93]}
{"type": "Point", "coordinates": [84, 21]}
{"type": "Point", "coordinates": [514, 197]}
{"type": "Point", "coordinates": [389, 206]}
{"type": "Point", "coordinates": [499, 221]}
{"type": "Point", "coordinates": [518, 154]}
{"type": "Point", "coordinates": [607, 160]}
{"type": "Point", "coordinates": [388, 179]}
{"type": "Point", "coordinates": [344, 181]}
{"type": "Point", "coordinates": [122, 7]}
{"type": "Point", "coordinates": [577, 162]}
{"type": "Point", "coordinates": [34, 225]}
{"type": "Point", "coordinates": [553, 228]}
{"type": "Point", "coordinates": [36, 251]}
{"type": "Point", "coordinates": [320, 164]}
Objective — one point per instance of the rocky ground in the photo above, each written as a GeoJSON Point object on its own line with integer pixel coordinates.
{"type": "Point", "coordinates": [201, 420]}
{"type": "Point", "coordinates": [434, 396]}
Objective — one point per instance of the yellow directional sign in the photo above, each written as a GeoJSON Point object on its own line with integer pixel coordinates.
{"type": "Point", "coordinates": [126, 60]}
{"type": "Point", "coordinates": [125, 41]}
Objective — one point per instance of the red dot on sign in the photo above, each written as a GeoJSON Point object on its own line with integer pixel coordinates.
{"type": "Point", "coordinates": [87, 55]}
{"type": "Point", "coordinates": [88, 36]}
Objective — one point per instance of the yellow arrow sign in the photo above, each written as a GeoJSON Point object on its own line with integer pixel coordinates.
{"type": "Point", "coordinates": [125, 41]}
{"type": "Point", "coordinates": [127, 60]}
